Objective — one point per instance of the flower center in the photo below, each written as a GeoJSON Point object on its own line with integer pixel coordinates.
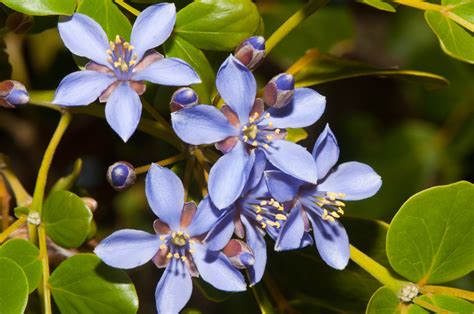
{"type": "Point", "coordinates": [178, 244]}
{"type": "Point", "coordinates": [265, 212]}
{"type": "Point", "coordinates": [179, 239]}
{"type": "Point", "coordinates": [331, 205]}
{"type": "Point", "coordinates": [122, 58]}
{"type": "Point", "coordinates": [258, 132]}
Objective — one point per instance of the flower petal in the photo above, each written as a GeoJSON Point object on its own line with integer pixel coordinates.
{"type": "Point", "coordinates": [174, 288]}
{"type": "Point", "coordinates": [84, 37]}
{"type": "Point", "coordinates": [128, 248]}
{"type": "Point", "coordinates": [356, 180]}
{"type": "Point", "coordinates": [256, 241]}
{"type": "Point", "coordinates": [123, 111]}
{"type": "Point", "coordinates": [305, 109]}
{"type": "Point", "coordinates": [82, 87]}
{"type": "Point", "coordinates": [292, 232]}
{"type": "Point", "coordinates": [325, 152]}
{"type": "Point", "coordinates": [221, 231]}
{"type": "Point", "coordinates": [215, 268]}
{"type": "Point", "coordinates": [165, 194]}
{"type": "Point", "coordinates": [168, 71]}
{"type": "Point", "coordinates": [228, 176]}
{"type": "Point", "coordinates": [256, 174]}
{"type": "Point", "coordinates": [152, 27]}
{"type": "Point", "coordinates": [201, 124]}
{"type": "Point", "coordinates": [282, 186]}
{"type": "Point", "coordinates": [293, 159]}
{"type": "Point", "coordinates": [237, 86]}
{"type": "Point", "coordinates": [332, 242]}
{"type": "Point", "coordinates": [206, 216]}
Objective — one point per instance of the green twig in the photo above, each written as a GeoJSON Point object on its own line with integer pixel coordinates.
{"type": "Point", "coordinates": [17, 224]}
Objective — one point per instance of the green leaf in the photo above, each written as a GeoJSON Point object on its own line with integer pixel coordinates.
{"type": "Point", "coordinates": [66, 219]}
{"type": "Point", "coordinates": [180, 48]}
{"type": "Point", "coordinates": [66, 183]}
{"type": "Point", "coordinates": [21, 211]}
{"type": "Point", "coordinates": [326, 68]}
{"type": "Point", "coordinates": [83, 284]}
{"type": "Point", "coordinates": [42, 7]}
{"type": "Point", "coordinates": [26, 255]}
{"type": "Point", "coordinates": [296, 135]}
{"type": "Point", "coordinates": [448, 304]}
{"type": "Point", "coordinates": [217, 24]}
{"type": "Point", "coordinates": [429, 239]}
{"type": "Point", "coordinates": [13, 287]}
{"type": "Point", "coordinates": [454, 39]}
{"type": "Point", "coordinates": [462, 8]}
{"type": "Point", "coordinates": [383, 301]}
{"type": "Point", "coordinates": [108, 15]}
{"type": "Point", "coordinates": [379, 4]}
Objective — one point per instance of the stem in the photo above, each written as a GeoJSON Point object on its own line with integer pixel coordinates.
{"type": "Point", "coordinates": [200, 179]}
{"type": "Point", "coordinates": [128, 7]}
{"type": "Point", "coordinates": [376, 270]}
{"type": "Point", "coordinates": [164, 162]}
{"type": "Point", "coordinates": [426, 6]}
{"type": "Point", "coordinates": [43, 289]}
{"type": "Point", "coordinates": [17, 224]}
{"type": "Point", "coordinates": [295, 20]}
{"type": "Point", "coordinates": [468, 295]}
{"type": "Point", "coordinates": [156, 115]}
{"type": "Point", "coordinates": [303, 62]}
{"type": "Point", "coordinates": [429, 306]}
{"type": "Point", "coordinates": [38, 196]}
{"type": "Point", "coordinates": [277, 295]}
{"type": "Point", "coordinates": [263, 299]}
{"type": "Point", "coordinates": [187, 175]}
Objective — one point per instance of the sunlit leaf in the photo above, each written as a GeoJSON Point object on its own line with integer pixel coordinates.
{"type": "Point", "coordinates": [42, 7]}
{"type": "Point", "coordinates": [447, 303]}
{"type": "Point", "coordinates": [13, 287]}
{"type": "Point", "coordinates": [379, 4]}
{"type": "Point", "coordinates": [383, 301]}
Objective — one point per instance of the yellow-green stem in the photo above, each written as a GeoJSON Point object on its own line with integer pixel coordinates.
{"type": "Point", "coordinates": [429, 306]}
{"type": "Point", "coordinates": [164, 162]}
{"type": "Point", "coordinates": [156, 115]}
{"type": "Point", "coordinates": [17, 224]}
{"type": "Point", "coordinates": [468, 295]}
{"type": "Point", "coordinates": [128, 7]}
{"type": "Point", "coordinates": [295, 20]}
{"type": "Point", "coordinates": [43, 288]}
{"type": "Point", "coordinates": [262, 298]}
{"type": "Point", "coordinates": [21, 196]}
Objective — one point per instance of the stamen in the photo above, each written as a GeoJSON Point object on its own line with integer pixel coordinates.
{"type": "Point", "coordinates": [109, 52]}
{"type": "Point", "coordinates": [259, 217]}
{"type": "Point", "coordinates": [280, 217]}
{"type": "Point", "coordinates": [162, 238]}
{"type": "Point", "coordinates": [263, 203]}
{"type": "Point", "coordinates": [163, 246]}
{"type": "Point", "coordinates": [184, 258]}
{"type": "Point", "coordinates": [176, 255]}
{"type": "Point", "coordinates": [169, 255]}
{"type": "Point", "coordinates": [277, 131]}
{"type": "Point", "coordinates": [254, 143]}
{"type": "Point", "coordinates": [266, 146]}
{"type": "Point", "coordinates": [118, 40]}
{"type": "Point", "coordinates": [267, 115]}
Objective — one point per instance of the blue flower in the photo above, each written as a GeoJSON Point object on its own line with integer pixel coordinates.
{"type": "Point", "coordinates": [118, 69]}
{"type": "Point", "coordinates": [320, 205]}
{"type": "Point", "coordinates": [250, 217]}
{"type": "Point", "coordinates": [176, 245]}
{"type": "Point", "coordinates": [243, 127]}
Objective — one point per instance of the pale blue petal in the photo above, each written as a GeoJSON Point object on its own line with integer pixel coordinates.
{"type": "Point", "coordinates": [256, 241]}
{"type": "Point", "coordinates": [152, 27]}
{"type": "Point", "coordinates": [305, 109]}
{"type": "Point", "coordinates": [222, 231]}
{"type": "Point", "coordinates": [165, 194]}
{"type": "Point", "coordinates": [228, 176]}
{"type": "Point", "coordinates": [174, 288]}
{"type": "Point", "coordinates": [168, 71]}
{"type": "Point", "coordinates": [202, 124]}
{"type": "Point", "coordinates": [282, 186]}
{"type": "Point", "coordinates": [255, 176]}
{"type": "Point", "coordinates": [84, 37]}
{"type": "Point", "coordinates": [82, 88]}
{"type": "Point", "coordinates": [354, 179]}
{"type": "Point", "coordinates": [237, 87]}
{"type": "Point", "coordinates": [292, 159]}
{"type": "Point", "coordinates": [206, 216]}
{"type": "Point", "coordinates": [215, 268]}
{"type": "Point", "coordinates": [128, 248]}
{"type": "Point", "coordinates": [291, 234]}
{"type": "Point", "coordinates": [123, 111]}
{"type": "Point", "coordinates": [325, 152]}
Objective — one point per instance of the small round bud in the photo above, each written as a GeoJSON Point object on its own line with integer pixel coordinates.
{"type": "Point", "coordinates": [279, 91]}
{"type": "Point", "coordinates": [12, 94]}
{"type": "Point", "coordinates": [121, 175]}
{"type": "Point", "coordinates": [239, 254]}
{"type": "Point", "coordinates": [184, 97]}
{"type": "Point", "coordinates": [251, 52]}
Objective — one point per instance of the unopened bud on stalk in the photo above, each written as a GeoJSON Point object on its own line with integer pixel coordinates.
{"type": "Point", "coordinates": [279, 91]}
{"type": "Point", "coordinates": [239, 254]}
{"type": "Point", "coordinates": [251, 52]}
{"type": "Point", "coordinates": [184, 97]}
{"type": "Point", "coordinates": [121, 175]}
{"type": "Point", "coordinates": [13, 94]}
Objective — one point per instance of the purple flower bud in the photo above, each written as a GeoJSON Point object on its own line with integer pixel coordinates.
{"type": "Point", "coordinates": [279, 91]}
{"type": "Point", "coordinates": [239, 254]}
{"type": "Point", "coordinates": [12, 94]}
{"type": "Point", "coordinates": [184, 97]}
{"type": "Point", "coordinates": [251, 52]}
{"type": "Point", "coordinates": [121, 175]}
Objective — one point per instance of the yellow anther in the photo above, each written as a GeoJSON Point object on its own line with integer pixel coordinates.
{"type": "Point", "coordinates": [176, 255]}
{"type": "Point", "coordinates": [341, 195]}
{"type": "Point", "coordinates": [244, 128]}
{"type": "Point", "coordinates": [277, 131]}
{"type": "Point", "coordinates": [130, 47]}
{"type": "Point", "coordinates": [270, 123]}
{"type": "Point", "coordinates": [162, 238]}
{"type": "Point", "coordinates": [131, 62]}
{"type": "Point", "coordinates": [267, 115]}
{"type": "Point", "coordinates": [191, 241]}
{"type": "Point", "coordinates": [187, 236]}
{"type": "Point", "coordinates": [264, 225]}
{"type": "Point", "coordinates": [245, 138]}
{"type": "Point", "coordinates": [271, 201]}
{"type": "Point", "coordinates": [109, 60]}
{"type": "Point", "coordinates": [184, 258]}
{"type": "Point", "coordinates": [134, 56]}
{"type": "Point", "coordinates": [251, 119]}
{"type": "Point", "coordinates": [258, 209]}
{"type": "Point", "coordinates": [263, 203]}
{"type": "Point", "coordinates": [266, 146]}
{"type": "Point", "coordinates": [108, 51]}
{"type": "Point", "coordinates": [180, 233]}
{"type": "Point", "coordinates": [112, 45]}
{"type": "Point", "coordinates": [339, 204]}
{"type": "Point", "coordinates": [280, 217]}
{"type": "Point", "coordinates": [259, 217]}
{"type": "Point", "coordinates": [124, 67]}
{"type": "Point", "coordinates": [335, 215]}
{"type": "Point", "coordinates": [163, 246]}
{"type": "Point", "coordinates": [340, 211]}
{"type": "Point", "coordinates": [118, 40]}
{"type": "Point", "coordinates": [126, 45]}
{"type": "Point", "coordinates": [281, 208]}
{"type": "Point", "coordinates": [117, 64]}
{"type": "Point", "coordinates": [325, 212]}
{"type": "Point", "coordinates": [269, 137]}
{"type": "Point", "coordinates": [169, 255]}
{"type": "Point", "coordinates": [254, 143]}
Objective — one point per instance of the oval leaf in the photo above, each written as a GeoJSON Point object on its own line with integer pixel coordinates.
{"type": "Point", "coordinates": [430, 238]}
{"type": "Point", "coordinates": [66, 219]}
{"type": "Point", "coordinates": [65, 183]}
{"type": "Point", "coordinates": [42, 7]}
{"type": "Point", "coordinates": [383, 301]}
{"type": "Point", "coordinates": [83, 284]}
{"type": "Point", "coordinates": [26, 255]}
{"type": "Point", "coordinates": [446, 303]}
{"type": "Point", "coordinates": [217, 24]}
{"type": "Point", "coordinates": [13, 287]}
{"type": "Point", "coordinates": [379, 4]}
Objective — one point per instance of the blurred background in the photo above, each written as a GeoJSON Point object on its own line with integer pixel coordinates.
{"type": "Point", "coordinates": [412, 136]}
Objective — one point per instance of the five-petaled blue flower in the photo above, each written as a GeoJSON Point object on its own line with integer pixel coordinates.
{"type": "Point", "coordinates": [176, 245]}
{"type": "Point", "coordinates": [117, 69]}
{"type": "Point", "coordinates": [319, 205]}
{"type": "Point", "coordinates": [243, 127]}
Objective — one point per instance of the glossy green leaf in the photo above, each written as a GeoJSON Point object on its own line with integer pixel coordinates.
{"type": "Point", "coordinates": [217, 24]}
{"type": "Point", "coordinates": [462, 8]}
{"type": "Point", "coordinates": [21, 211]}
{"type": "Point", "coordinates": [383, 301]}
{"type": "Point", "coordinates": [179, 48]}
{"type": "Point", "coordinates": [26, 255]}
{"type": "Point", "coordinates": [66, 183]}
{"type": "Point", "coordinates": [108, 15]}
{"type": "Point", "coordinates": [42, 7]}
{"type": "Point", "coordinates": [83, 284]}
{"type": "Point", "coordinates": [455, 40]}
{"type": "Point", "coordinates": [447, 303]}
{"type": "Point", "coordinates": [66, 219]}
{"type": "Point", "coordinates": [13, 287]}
{"type": "Point", "coordinates": [296, 135]}
{"type": "Point", "coordinates": [379, 4]}
{"type": "Point", "coordinates": [430, 238]}
{"type": "Point", "coordinates": [326, 68]}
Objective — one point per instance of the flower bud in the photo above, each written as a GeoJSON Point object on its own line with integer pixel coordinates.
{"type": "Point", "coordinates": [184, 97]}
{"type": "Point", "coordinates": [239, 254]}
{"type": "Point", "coordinates": [279, 91]}
{"type": "Point", "coordinates": [251, 52]}
{"type": "Point", "coordinates": [12, 94]}
{"type": "Point", "coordinates": [121, 175]}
